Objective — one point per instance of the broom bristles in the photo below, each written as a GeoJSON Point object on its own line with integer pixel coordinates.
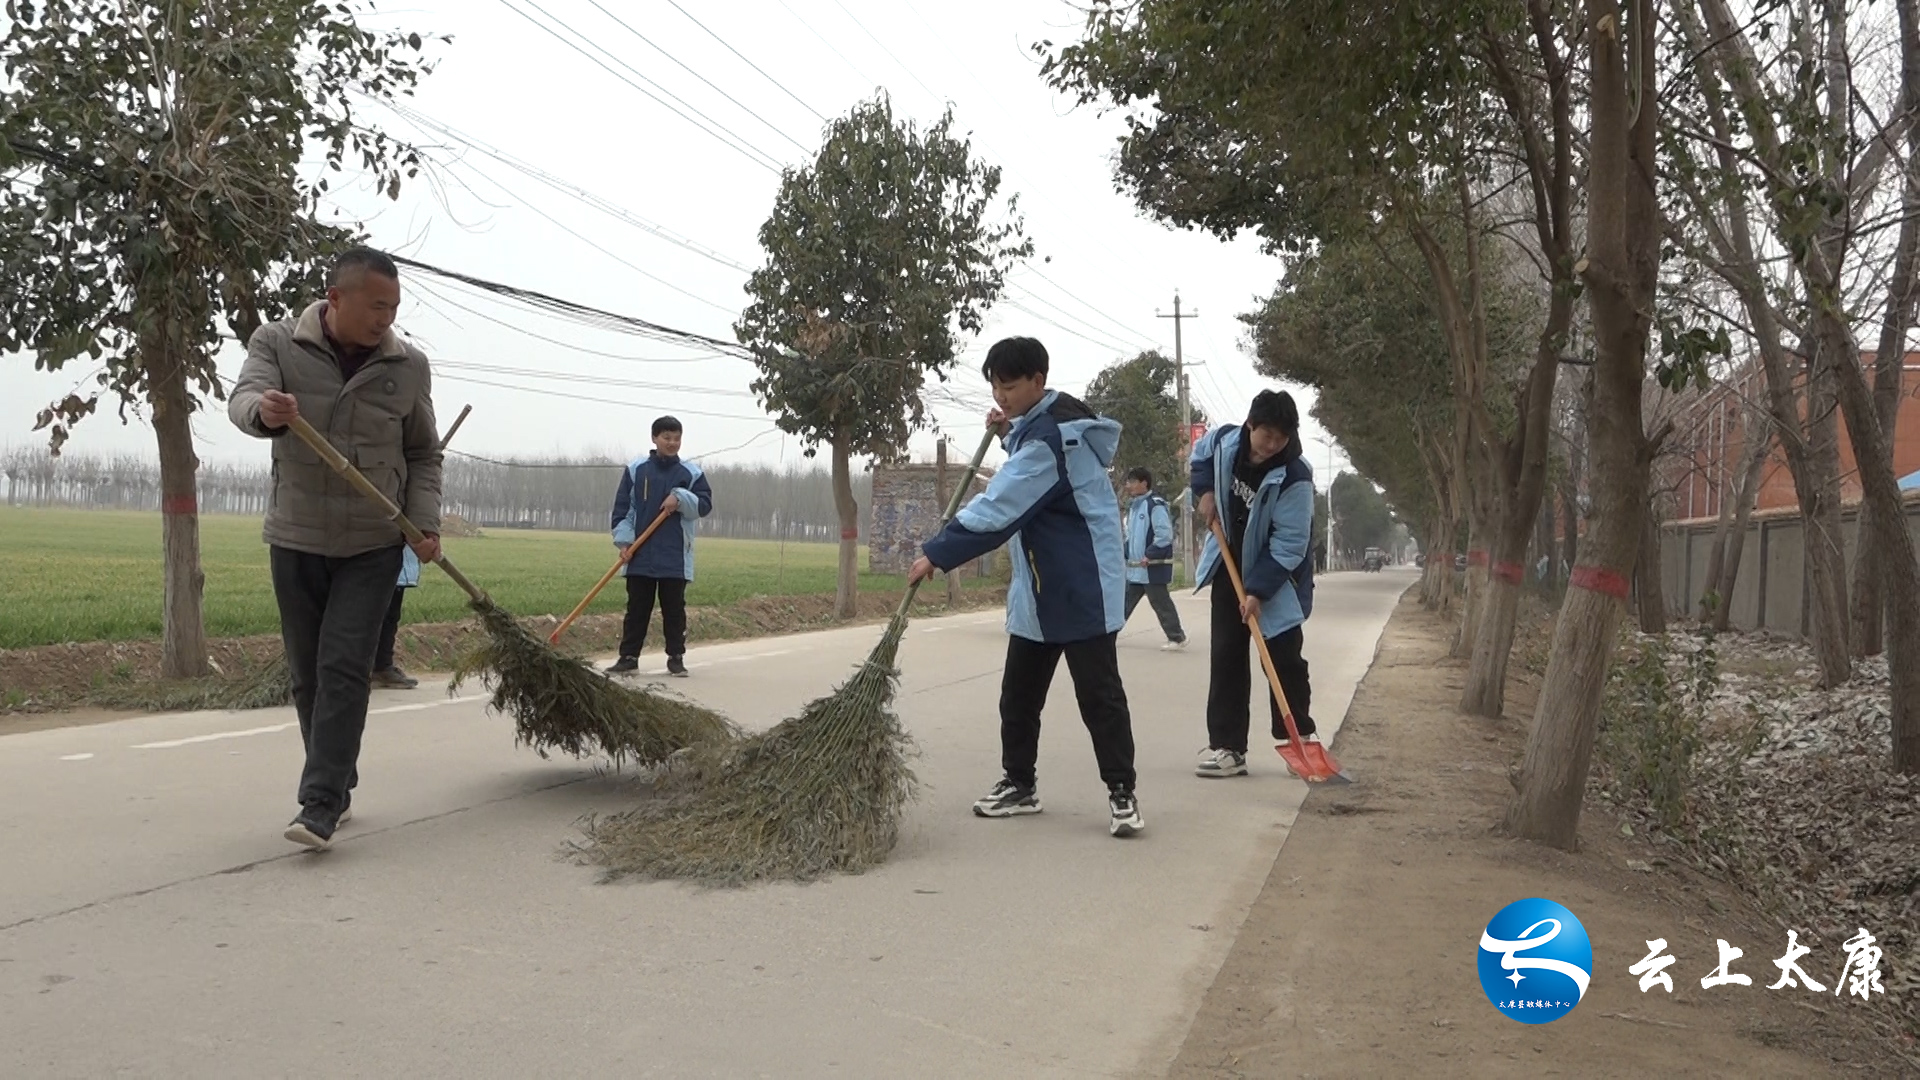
{"type": "Point", "coordinates": [561, 703]}
{"type": "Point", "coordinates": [822, 792]}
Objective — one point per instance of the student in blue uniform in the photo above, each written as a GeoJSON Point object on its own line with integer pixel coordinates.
{"type": "Point", "coordinates": [388, 675]}
{"type": "Point", "coordinates": [1053, 506]}
{"type": "Point", "coordinates": [1253, 477]}
{"type": "Point", "coordinates": [1150, 556]}
{"type": "Point", "coordinates": [664, 564]}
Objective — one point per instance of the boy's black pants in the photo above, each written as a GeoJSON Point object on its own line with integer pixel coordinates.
{"type": "Point", "coordinates": [641, 591]}
{"type": "Point", "coordinates": [1230, 690]}
{"type": "Point", "coordinates": [1095, 667]}
{"type": "Point", "coordinates": [389, 632]}
{"type": "Point", "coordinates": [1163, 608]}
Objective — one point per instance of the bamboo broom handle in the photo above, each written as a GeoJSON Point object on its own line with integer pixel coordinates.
{"type": "Point", "coordinates": [953, 507]}
{"type": "Point", "coordinates": [299, 426]}
{"type": "Point", "coordinates": [626, 557]}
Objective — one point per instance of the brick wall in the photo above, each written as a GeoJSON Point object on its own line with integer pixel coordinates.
{"type": "Point", "coordinates": [905, 510]}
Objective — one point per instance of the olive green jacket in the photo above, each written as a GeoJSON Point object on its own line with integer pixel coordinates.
{"type": "Point", "coordinates": [381, 420]}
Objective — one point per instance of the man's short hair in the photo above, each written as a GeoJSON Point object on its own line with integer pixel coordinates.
{"type": "Point", "coordinates": [1015, 358]}
{"type": "Point", "coordinates": [1274, 409]}
{"type": "Point", "coordinates": [360, 260]}
{"type": "Point", "coordinates": [1142, 474]}
{"type": "Point", "coordinates": [665, 424]}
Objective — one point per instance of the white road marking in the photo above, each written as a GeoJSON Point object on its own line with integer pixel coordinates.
{"type": "Point", "coordinates": [75, 757]}
{"type": "Point", "coordinates": [218, 735]}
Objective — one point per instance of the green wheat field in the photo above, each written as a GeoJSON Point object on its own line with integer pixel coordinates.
{"type": "Point", "coordinates": [94, 575]}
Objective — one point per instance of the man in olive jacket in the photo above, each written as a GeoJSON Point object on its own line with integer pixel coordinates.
{"type": "Point", "coordinates": [334, 555]}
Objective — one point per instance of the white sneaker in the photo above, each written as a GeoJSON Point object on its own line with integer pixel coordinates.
{"type": "Point", "coordinates": [1174, 646]}
{"type": "Point", "coordinates": [1218, 763]}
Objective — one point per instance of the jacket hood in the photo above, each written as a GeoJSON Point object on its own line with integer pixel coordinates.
{"type": "Point", "coordinates": [1077, 420]}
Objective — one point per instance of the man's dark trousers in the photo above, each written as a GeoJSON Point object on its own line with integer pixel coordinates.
{"type": "Point", "coordinates": [1095, 667]}
{"type": "Point", "coordinates": [673, 613]}
{"type": "Point", "coordinates": [1229, 712]}
{"type": "Point", "coordinates": [330, 616]}
{"type": "Point", "coordinates": [1162, 604]}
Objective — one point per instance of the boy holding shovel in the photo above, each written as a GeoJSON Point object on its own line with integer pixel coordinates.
{"type": "Point", "coordinates": [1253, 478]}
{"type": "Point", "coordinates": [1053, 506]}
{"type": "Point", "coordinates": [663, 566]}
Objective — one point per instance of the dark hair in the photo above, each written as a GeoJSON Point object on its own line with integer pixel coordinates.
{"type": "Point", "coordinates": [1274, 409]}
{"type": "Point", "coordinates": [362, 259]}
{"type": "Point", "coordinates": [664, 424]}
{"type": "Point", "coordinates": [1142, 474]}
{"type": "Point", "coordinates": [1015, 358]}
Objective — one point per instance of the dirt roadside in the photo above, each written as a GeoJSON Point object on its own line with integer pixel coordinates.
{"type": "Point", "coordinates": [1359, 956]}
{"type": "Point", "coordinates": [49, 686]}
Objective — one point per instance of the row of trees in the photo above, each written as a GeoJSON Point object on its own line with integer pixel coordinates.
{"type": "Point", "coordinates": [752, 502]}
{"type": "Point", "coordinates": [1477, 196]}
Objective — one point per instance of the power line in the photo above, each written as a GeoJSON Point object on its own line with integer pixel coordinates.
{"type": "Point", "coordinates": [763, 120]}
{"type": "Point", "coordinates": [1105, 346]}
{"type": "Point", "coordinates": [1136, 343]}
{"type": "Point", "coordinates": [598, 400]}
{"type": "Point", "coordinates": [883, 48]}
{"type": "Point", "coordinates": [1076, 299]}
{"type": "Point", "coordinates": [532, 298]}
{"type": "Point", "coordinates": [580, 377]}
{"type": "Point", "coordinates": [736, 143]}
{"type": "Point", "coordinates": [604, 205]}
{"type": "Point", "coordinates": [702, 358]}
{"type": "Point", "coordinates": [830, 46]}
{"type": "Point", "coordinates": [749, 63]}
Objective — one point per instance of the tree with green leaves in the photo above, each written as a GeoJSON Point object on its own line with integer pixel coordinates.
{"type": "Point", "coordinates": [876, 253]}
{"type": "Point", "coordinates": [1141, 393]}
{"type": "Point", "coordinates": [1361, 519]}
{"type": "Point", "coordinates": [152, 195]}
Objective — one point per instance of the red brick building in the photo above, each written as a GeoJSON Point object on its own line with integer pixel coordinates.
{"type": "Point", "coordinates": [1707, 450]}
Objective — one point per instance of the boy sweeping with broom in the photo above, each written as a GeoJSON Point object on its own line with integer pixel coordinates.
{"type": "Point", "coordinates": [1254, 479]}
{"type": "Point", "coordinates": [1053, 506]}
{"type": "Point", "coordinates": [663, 566]}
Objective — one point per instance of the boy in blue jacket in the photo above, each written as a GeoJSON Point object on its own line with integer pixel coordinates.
{"type": "Point", "coordinates": [1254, 479]}
{"type": "Point", "coordinates": [1150, 556]}
{"type": "Point", "coordinates": [1053, 506]}
{"type": "Point", "coordinates": [664, 564]}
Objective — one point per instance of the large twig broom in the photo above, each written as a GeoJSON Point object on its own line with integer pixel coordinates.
{"type": "Point", "coordinates": [819, 793]}
{"type": "Point", "coordinates": [557, 702]}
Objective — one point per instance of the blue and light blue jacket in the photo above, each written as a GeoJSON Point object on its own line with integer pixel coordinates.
{"type": "Point", "coordinates": [1052, 504]}
{"type": "Point", "coordinates": [1274, 561]}
{"type": "Point", "coordinates": [1150, 537]}
{"type": "Point", "coordinates": [643, 487]}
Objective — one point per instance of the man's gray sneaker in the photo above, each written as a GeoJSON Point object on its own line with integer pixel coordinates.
{"type": "Point", "coordinates": [1219, 762]}
{"type": "Point", "coordinates": [1007, 799]}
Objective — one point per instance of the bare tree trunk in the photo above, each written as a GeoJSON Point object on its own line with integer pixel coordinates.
{"type": "Point", "coordinates": [1621, 268]}
{"type": "Point", "coordinates": [1647, 584]}
{"type": "Point", "coordinates": [1826, 551]}
{"type": "Point", "coordinates": [846, 595]}
{"type": "Point", "coordinates": [183, 632]}
{"type": "Point", "coordinates": [1761, 442]}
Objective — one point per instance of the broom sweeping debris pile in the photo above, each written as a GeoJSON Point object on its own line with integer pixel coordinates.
{"type": "Point", "coordinates": [557, 702]}
{"type": "Point", "coordinates": [561, 703]}
{"type": "Point", "coordinates": [823, 792]}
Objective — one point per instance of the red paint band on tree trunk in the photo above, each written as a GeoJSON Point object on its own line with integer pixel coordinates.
{"type": "Point", "coordinates": [1509, 572]}
{"type": "Point", "coordinates": [1601, 580]}
{"type": "Point", "coordinates": [1476, 558]}
{"type": "Point", "coordinates": [849, 534]}
{"type": "Point", "coordinates": [179, 504]}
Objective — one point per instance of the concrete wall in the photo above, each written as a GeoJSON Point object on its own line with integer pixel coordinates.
{"type": "Point", "coordinates": [905, 511]}
{"type": "Point", "coordinates": [1771, 590]}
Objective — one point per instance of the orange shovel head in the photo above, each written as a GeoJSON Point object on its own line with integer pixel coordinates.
{"type": "Point", "coordinates": [1310, 762]}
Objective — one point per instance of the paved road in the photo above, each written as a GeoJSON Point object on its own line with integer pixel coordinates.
{"type": "Point", "coordinates": [154, 923]}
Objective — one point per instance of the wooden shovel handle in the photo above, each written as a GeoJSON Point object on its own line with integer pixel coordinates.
{"type": "Point", "coordinates": [626, 557]}
{"type": "Point", "coordinates": [299, 426]}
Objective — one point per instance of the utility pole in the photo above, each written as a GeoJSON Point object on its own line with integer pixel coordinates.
{"type": "Point", "coordinates": [1186, 425]}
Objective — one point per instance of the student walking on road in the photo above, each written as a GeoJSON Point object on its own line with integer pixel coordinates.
{"type": "Point", "coordinates": [1253, 477]}
{"type": "Point", "coordinates": [334, 556]}
{"type": "Point", "coordinates": [663, 567]}
{"type": "Point", "coordinates": [388, 675]}
{"type": "Point", "coordinates": [1053, 506]}
{"type": "Point", "coordinates": [1150, 556]}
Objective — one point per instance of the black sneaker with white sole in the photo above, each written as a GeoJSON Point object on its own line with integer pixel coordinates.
{"type": "Point", "coordinates": [1126, 813]}
{"type": "Point", "coordinates": [1007, 799]}
{"type": "Point", "coordinates": [676, 667]}
{"type": "Point", "coordinates": [314, 828]}
{"type": "Point", "coordinates": [626, 665]}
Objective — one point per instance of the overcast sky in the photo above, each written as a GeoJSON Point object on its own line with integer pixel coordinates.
{"type": "Point", "coordinates": [598, 193]}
